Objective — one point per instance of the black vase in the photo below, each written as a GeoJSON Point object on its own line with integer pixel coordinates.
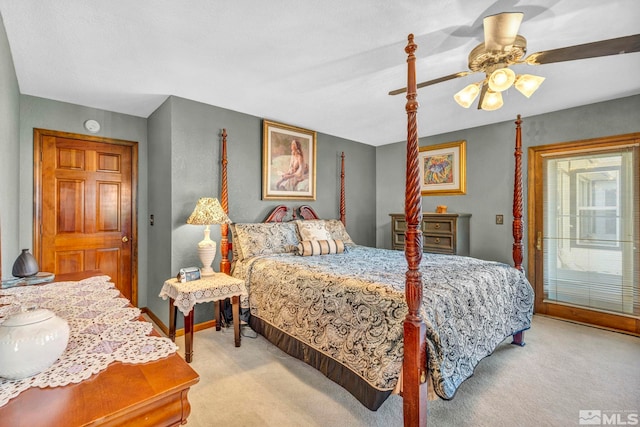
{"type": "Point", "coordinates": [25, 265]}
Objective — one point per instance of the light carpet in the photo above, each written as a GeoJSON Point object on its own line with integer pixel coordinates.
{"type": "Point", "coordinates": [563, 369]}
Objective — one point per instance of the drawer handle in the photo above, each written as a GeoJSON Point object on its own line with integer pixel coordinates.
{"type": "Point", "coordinates": [437, 226]}
{"type": "Point", "coordinates": [437, 240]}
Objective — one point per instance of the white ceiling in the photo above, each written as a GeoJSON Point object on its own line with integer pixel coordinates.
{"type": "Point", "coordinates": [322, 65]}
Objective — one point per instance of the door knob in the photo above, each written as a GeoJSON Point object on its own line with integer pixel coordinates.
{"type": "Point", "coordinates": [125, 239]}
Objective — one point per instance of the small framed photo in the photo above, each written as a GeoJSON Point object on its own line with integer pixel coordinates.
{"type": "Point", "coordinates": [288, 162]}
{"type": "Point", "coordinates": [443, 169]}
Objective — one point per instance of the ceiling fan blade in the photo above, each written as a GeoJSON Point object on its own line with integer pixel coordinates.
{"type": "Point", "coordinates": [500, 30]}
{"type": "Point", "coordinates": [483, 92]}
{"type": "Point", "coordinates": [620, 45]}
{"type": "Point", "coordinates": [432, 82]}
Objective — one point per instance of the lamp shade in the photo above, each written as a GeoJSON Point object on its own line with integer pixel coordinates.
{"type": "Point", "coordinates": [208, 211]}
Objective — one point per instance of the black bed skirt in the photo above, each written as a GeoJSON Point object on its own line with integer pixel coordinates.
{"type": "Point", "coordinates": [335, 371]}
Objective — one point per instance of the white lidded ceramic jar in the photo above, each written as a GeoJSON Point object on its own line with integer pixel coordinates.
{"type": "Point", "coordinates": [30, 341]}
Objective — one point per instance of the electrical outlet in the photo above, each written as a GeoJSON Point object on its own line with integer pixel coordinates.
{"type": "Point", "coordinates": [499, 219]}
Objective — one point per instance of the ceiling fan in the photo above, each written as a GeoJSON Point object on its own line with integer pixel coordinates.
{"type": "Point", "coordinates": [503, 47]}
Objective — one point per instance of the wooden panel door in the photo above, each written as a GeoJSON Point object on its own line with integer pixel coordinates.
{"type": "Point", "coordinates": [86, 207]}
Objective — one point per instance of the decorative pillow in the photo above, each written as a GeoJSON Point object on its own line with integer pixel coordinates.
{"type": "Point", "coordinates": [320, 247]}
{"type": "Point", "coordinates": [312, 230]}
{"type": "Point", "coordinates": [266, 238]}
{"type": "Point", "coordinates": [335, 227]}
{"type": "Point", "coordinates": [235, 243]}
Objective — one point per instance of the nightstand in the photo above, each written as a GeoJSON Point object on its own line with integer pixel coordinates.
{"type": "Point", "coordinates": [186, 295]}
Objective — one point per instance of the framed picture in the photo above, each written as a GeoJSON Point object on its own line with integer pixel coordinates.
{"type": "Point", "coordinates": [288, 162]}
{"type": "Point", "coordinates": [443, 169]}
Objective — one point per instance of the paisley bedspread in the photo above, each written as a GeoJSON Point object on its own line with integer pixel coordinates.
{"type": "Point", "coordinates": [351, 307]}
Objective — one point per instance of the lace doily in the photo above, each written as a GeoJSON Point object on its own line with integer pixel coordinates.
{"type": "Point", "coordinates": [209, 288]}
{"type": "Point", "coordinates": [103, 329]}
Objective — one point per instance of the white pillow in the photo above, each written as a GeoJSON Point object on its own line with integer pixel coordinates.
{"type": "Point", "coordinates": [313, 230]}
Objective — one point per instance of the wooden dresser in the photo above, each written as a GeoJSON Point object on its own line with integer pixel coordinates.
{"type": "Point", "coordinates": [124, 394]}
{"type": "Point", "coordinates": [446, 233]}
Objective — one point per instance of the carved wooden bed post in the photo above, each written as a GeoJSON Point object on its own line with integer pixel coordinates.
{"type": "Point", "coordinates": [517, 199]}
{"type": "Point", "coordinates": [225, 265]}
{"type": "Point", "coordinates": [518, 338]}
{"type": "Point", "coordinates": [343, 217]}
{"type": "Point", "coordinates": [414, 366]}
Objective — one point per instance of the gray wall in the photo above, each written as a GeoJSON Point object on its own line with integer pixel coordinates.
{"type": "Point", "coordinates": [490, 168]}
{"type": "Point", "coordinates": [60, 116]}
{"type": "Point", "coordinates": [10, 185]}
{"type": "Point", "coordinates": [159, 194]}
{"type": "Point", "coordinates": [190, 169]}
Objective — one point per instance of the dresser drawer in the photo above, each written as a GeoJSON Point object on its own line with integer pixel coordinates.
{"type": "Point", "coordinates": [442, 244]}
{"type": "Point", "coordinates": [433, 225]}
{"type": "Point", "coordinates": [398, 224]}
{"type": "Point", "coordinates": [397, 240]}
{"type": "Point", "coordinates": [429, 225]}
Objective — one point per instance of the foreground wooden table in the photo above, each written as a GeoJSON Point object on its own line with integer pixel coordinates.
{"type": "Point", "coordinates": [147, 394]}
{"type": "Point", "coordinates": [185, 296]}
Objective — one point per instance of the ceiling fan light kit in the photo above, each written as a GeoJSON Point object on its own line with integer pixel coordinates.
{"type": "Point", "coordinates": [499, 81]}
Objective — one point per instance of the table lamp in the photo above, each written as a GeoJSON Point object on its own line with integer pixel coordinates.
{"type": "Point", "coordinates": [208, 211]}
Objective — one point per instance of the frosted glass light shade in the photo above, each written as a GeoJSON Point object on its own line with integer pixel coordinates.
{"type": "Point", "coordinates": [527, 84]}
{"type": "Point", "coordinates": [467, 95]}
{"type": "Point", "coordinates": [501, 79]}
{"type": "Point", "coordinates": [492, 100]}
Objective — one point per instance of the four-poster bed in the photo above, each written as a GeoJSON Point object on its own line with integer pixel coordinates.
{"type": "Point", "coordinates": [359, 317]}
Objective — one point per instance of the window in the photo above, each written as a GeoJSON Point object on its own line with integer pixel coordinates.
{"type": "Point", "coordinates": [584, 243]}
{"type": "Point", "coordinates": [597, 206]}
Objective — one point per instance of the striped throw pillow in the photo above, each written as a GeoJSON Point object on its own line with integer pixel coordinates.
{"type": "Point", "coordinates": [320, 247]}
